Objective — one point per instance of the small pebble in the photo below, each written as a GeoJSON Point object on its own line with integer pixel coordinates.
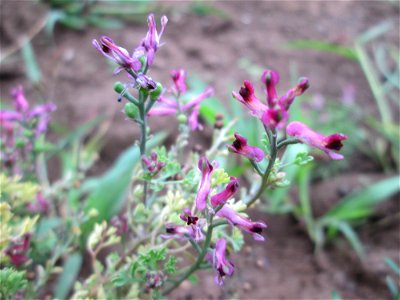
{"type": "Point", "coordinates": [246, 286]}
{"type": "Point", "coordinates": [260, 263]}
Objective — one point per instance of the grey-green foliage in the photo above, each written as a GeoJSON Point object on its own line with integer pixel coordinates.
{"type": "Point", "coordinates": [11, 281]}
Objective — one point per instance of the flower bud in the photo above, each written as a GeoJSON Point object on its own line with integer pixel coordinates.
{"type": "Point", "coordinates": [118, 87]}
{"type": "Point", "coordinates": [131, 110]}
{"type": "Point", "coordinates": [182, 119]}
{"type": "Point", "coordinates": [156, 92]}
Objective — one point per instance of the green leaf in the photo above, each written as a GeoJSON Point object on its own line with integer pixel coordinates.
{"type": "Point", "coordinates": [107, 192]}
{"type": "Point", "coordinates": [32, 68]}
{"type": "Point", "coordinates": [335, 295]}
{"type": "Point", "coordinates": [392, 265]}
{"type": "Point", "coordinates": [71, 268]}
{"type": "Point", "coordinates": [361, 203]}
{"type": "Point", "coordinates": [322, 46]}
{"type": "Point", "coordinates": [350, 235]}
{"type": "Point", "coordinates": [11, 281]}
{"type": "Point", "coordinates": [170, 265]}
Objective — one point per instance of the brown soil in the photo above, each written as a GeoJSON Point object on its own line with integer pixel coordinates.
{"type": "Point", "coordinates": [79, 81]}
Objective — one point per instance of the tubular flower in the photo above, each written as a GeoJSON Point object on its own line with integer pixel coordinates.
{"type": "Point", "coordinates": [255, 228]}
{"type": "Point", "coordinates": [179, 77]}
{"type": "Point", "coordinates": [227, 193]}
{"type": "Point", "coordinates": [206, 169]}
{"type": "Point", "coordinates": [223, 266]}
{"type": "Point", "coordinates": [193, 231]}
{"type": "Point", "coordinates": [17, 251]}
{"type": "Point", "coordinates": [273, 114]}
{"type": "Point", "coordinates": [317, 140]}
{"type": "Point", "coordinates": [153, 165]}
{"type": "Point", "coordinates": [247, 97]}
{"type": "Point", "coordinates": [151, 42]}
{"type": "Point", "coordinates": [20, 102]}
{"type": "Point", "coordinates": [169, 106]}
{"type": "Point", "coordinates": [241, 147]}
{"type": "Point", "coordinates": [187, 216]}
{"type": "Point", "coordinates": [117, 54]}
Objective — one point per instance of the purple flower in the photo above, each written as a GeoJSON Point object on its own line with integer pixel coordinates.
{"type": "Point", "coordinates": [153, 165]}
{"type": "Point", "coordinates": [167, 106]}
{"type": "Point", "coordinates": [120, 222]}
{"type": "Point", "coordinates": [227, 193]}
{"type": "Point", "coordinates": [205, 184]}
{"type": "Point", "coordinates": [17, 251]}
{"type": "Point", "coordinates": [317, 140]}
{"type": "Point", "coordinates": [193, 231]}
{"type": "Point", "coordinates": [223, 266]}
{"type": "Point", "coordinates": [117, 54]}
{"type": "Point", "coordinates": [187, 216]}
{"type": "Point", "coordinates": [241, 147]}
{"type": "Point", "coordinates": [20, 102]}
{"type": "Point", "coordinates": [151, 42]}
{"type": "Point", "coordinates": [255, 228]}
{"type": "Point", "coordinates": [274, 114]}
{"type": "Point", "coordinates": [8, 116]}
{"type": "Point", "coordinates": [247, 97]}
{"type": "Point", "coordinates": [39, 206]}
{"type": "Point", "coordinates": [179, 78]}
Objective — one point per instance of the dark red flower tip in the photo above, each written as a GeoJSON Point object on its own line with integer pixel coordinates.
{"type": "Point", "coordinates": [334, 141]}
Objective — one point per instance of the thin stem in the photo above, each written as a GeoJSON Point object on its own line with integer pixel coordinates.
{"type": "Point", "coordinates": [256, 167]}
{"type": "Point", "coordinates": [289, 141]}
{"type": "Point", "coordinates": [143, 138]}
{"type": "Point", "coordinates": [197, 264]}
{"type": "Point", "coordinates": [272, 136]}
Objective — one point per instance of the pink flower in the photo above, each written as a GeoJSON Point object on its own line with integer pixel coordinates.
{"type": "Point", "coordinates": [193, 231]}
{"type": "Point", "coordinates": [151, 42]}
{"type": "Point", "coordinates": [20, 102]}
{"type": "Point", "coordinates": [120, 222]}
{"type": "Point", "coordinates": [255, 228]}
{"type": "Point", "coordinates": [39, 206]}
{"type": "Point", "coordinates": [247, 97]}
{"type": "Point", "coordinates": [17, 251]}
{"type": "Point", "coordinates": [205, 184]}
{"type": "Point", "coordinates": [179, 77]}
{"type": "Point", "coordinates": [153, 165]}
{"type": "Point", "coordinates": [227, 193]}
{"type": "Point", "coordinates": [314, 139]}
{"type": "Point", "coordinates": [218, 259]}
{"type": "Point", "coordinates": [273, 114]}
{"type": "Point", "coordinates": [187, 216]}
{"type": "Point", "coordinates": [241, 147]}
{"type": "Point", "coordinates": [117, 54]}
{"type": "Point", "coordinates": [167, 106]}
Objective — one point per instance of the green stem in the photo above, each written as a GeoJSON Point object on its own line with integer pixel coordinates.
{"type": "Point", "coordinates": [143, 138]}
{"type": "Point", "coordinates": [272, 136]}
{"type": "Point", "coordinates": [197, 264]}
{"type": "Point", "coordinates": [289, 141]}
{"type": "Point", "coordinates": [256, 167]}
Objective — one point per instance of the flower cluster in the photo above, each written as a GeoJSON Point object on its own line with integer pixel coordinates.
{"type": "Point", "coordinates": [142, 57]}
{"type": "Point", "coordinates": [21, 127]}
{"type": "Point", "coordinates": [175, 106]}
{"type": "Point", "coordinates": [153, 165]}
{"type": "Point", "coordinates": [18, 249]}
{"type": "Point", "coordinates": [274, 114]}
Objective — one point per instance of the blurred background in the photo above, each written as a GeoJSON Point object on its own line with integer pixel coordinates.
{"type": "Point", "coordinates": [349, 50]}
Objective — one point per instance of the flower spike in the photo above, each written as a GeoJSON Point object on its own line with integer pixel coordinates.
{"type": "Point", "coordinates": [317, 140]}
{"type": "Point", "coordinates": [241, 147]}
{"type": "Point", "coordinates": [151, 42]}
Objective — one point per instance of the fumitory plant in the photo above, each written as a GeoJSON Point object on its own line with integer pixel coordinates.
{"type": "Point", "coordinates": [180, 210]}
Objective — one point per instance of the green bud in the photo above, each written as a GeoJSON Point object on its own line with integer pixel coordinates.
{"type": "Point", "coordinates": [156, 92]}
{"type": "Point", "coordinates": [118, 87]}
{"type": "Point", "coordinates": [182, 119]}
{"type": "Point", "coordinates": [142, 60]}
{"type": "Point", "coordinates": [93, 213]}
{"type": "Point", "coordinates": [19, 143]}
{"type": "Point", "coordinates": [28, 133]}
{"type": "Point", "coordinates": [131, 110]}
